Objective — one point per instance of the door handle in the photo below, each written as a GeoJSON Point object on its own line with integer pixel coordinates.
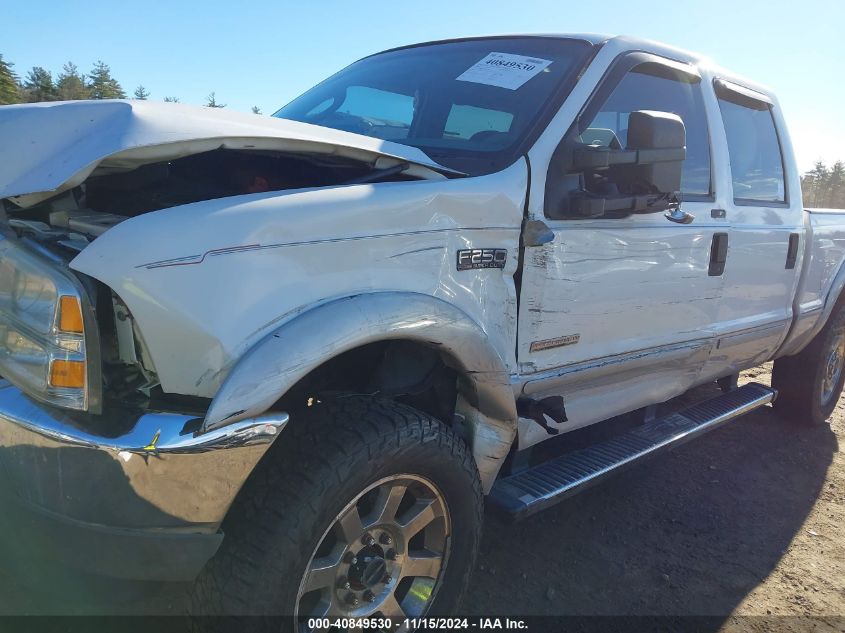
{"type": "Point", "coordinates": [679, 215]}
{"type": "Point", "coordinates": [792, 251]}
{"type": "Point", "coordinates": [718, 254]}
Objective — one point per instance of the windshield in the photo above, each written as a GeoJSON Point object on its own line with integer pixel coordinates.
{"type": "Point", "coordinates": [470, 105]}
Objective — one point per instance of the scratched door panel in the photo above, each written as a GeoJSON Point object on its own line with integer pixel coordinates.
{"type": "Point", "coordinates": [617, 286]}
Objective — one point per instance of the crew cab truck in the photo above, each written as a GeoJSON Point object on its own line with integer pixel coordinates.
{"type": "Point", "coordinates": [288, 357]}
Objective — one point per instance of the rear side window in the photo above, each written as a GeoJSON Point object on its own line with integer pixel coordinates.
{"type": "Point", "coordinates": [754, 150]}
{"type": "Point", "coordinates": [643, 89]}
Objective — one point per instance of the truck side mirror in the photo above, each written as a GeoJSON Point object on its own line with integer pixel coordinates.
{"type": "Point", "coordinates": [662, 138]}
{"type": "Point", "coordinates": [641, 178]}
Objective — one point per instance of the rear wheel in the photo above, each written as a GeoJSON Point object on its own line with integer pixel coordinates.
{"type": "Point", "coordinates": [809, 384]}
{"type": "Point", "coordinates": [367, 508]}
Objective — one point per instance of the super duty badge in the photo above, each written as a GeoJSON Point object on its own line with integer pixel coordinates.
{"type": "Point", "coordinates": [471, 258]}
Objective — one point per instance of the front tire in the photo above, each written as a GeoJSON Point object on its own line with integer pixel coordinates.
{"type": "Point", "coordinates": [366, 508]}
{"type": "Point", "coordinates": [809, 384]}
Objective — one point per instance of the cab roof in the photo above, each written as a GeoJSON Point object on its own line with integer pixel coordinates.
{"type": "Point", "coordinates": [595, 39]}
{"type": "Point", "coordinates": [620, 42]}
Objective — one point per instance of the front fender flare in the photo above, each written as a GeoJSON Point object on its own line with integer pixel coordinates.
{"type": "Point", "coordinates": [286, 355]}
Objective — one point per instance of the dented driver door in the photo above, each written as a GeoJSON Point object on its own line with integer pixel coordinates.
{"type": "Point", "coordinates": [618, 313]}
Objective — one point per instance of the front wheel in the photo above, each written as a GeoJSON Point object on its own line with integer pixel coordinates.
{"type": "Point", "coordinates": [809, 384]}
{"type": "Point", "coordinates": [395, 532]}
{"type": "Point", "coordinates": [367, 508]}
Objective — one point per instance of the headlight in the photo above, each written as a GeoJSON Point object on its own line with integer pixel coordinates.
{"type": "Point", "coordinates": [42, 328]}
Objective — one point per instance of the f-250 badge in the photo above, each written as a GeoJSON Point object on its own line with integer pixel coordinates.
{"type": "Point", "coordinates": [472, 258]}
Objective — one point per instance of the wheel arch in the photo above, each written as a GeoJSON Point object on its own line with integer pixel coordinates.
{"type": "Point", "coordinates": [834, 296]}
{"type": "Point", "coordinates": [287, 355]}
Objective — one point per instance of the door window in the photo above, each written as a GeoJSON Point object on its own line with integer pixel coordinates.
{"type": "Point", "coordinates": [650, 86]}
{"type": "Point", "coordinates": [754, 151]}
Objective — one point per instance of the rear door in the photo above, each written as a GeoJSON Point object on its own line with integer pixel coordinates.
{"type": "Point", "coordinates": [766, 231]}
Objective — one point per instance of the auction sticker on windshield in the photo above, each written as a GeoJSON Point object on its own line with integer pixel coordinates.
{"type": "Point", "coordinates": [504, 70]}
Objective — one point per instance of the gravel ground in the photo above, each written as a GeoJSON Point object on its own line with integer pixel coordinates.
{"type": "Point", "coordinates": [744, 521]}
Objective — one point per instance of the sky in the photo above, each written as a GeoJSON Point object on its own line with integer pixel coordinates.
{"type": "Point", "coordinates": [264, 53]}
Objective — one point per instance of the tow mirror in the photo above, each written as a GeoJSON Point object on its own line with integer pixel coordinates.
{"type": "Point", "coordinates": [633, 179]}
{"type": "Point", "coordinates": [660, 140]}
{"type": "Point", "coordinates": [653, 138]}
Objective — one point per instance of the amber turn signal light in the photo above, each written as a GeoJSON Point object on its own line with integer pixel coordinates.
{"type": "Point", "coordinates": [67, 373]}
{"type": "Point", "coordinates": [70, 315]}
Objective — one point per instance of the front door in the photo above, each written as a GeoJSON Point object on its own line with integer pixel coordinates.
{"type": "Point", "coordinates": [617, 313]}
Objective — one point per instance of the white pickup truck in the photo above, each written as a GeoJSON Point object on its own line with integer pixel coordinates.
{"type": "Point", "coordinates": [288, 357]}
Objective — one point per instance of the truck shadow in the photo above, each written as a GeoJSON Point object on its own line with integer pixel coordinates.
{"type": "Point", "coordinates": [688, 533]}
{"type": "Point", "coordinates": [39, 568]}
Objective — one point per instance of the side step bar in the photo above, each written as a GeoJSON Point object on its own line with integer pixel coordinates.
{"type": "Point", "coordinates": [546, 484]}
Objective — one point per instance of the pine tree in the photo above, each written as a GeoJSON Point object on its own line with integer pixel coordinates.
{"type": "Point", "coordinates": [824, 187]}
{"type": "Point", "coordinates": [171, 99]}
{"type": "Point", "coordinates": [141, 93]}
{"type": "Point", "coordinates": [70, 84]}
{"type": "Point", "coordinates": [102, 85]}
{"type": "Point", "coordinates": [813, 185]}
{"type": "Point", "coordinates": [256, 110]}
{"type": "Point", "coordinates": [211, 102]}
{"type": "Point", "coordinates": [835, 198]}
{"type": "Point", "coordinates": [9, 92]}
{"type": "Point", "coordinates": [38, 86]}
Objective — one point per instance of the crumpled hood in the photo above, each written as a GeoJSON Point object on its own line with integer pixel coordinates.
{"type": "Point", "coordinates": [46, 148]}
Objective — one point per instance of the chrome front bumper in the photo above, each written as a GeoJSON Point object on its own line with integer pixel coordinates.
{"type": "Point", "coordinates": [159, 481]}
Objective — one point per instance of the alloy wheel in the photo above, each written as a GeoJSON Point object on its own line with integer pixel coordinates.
{"type": "Point", "coordinates": [382, 556]}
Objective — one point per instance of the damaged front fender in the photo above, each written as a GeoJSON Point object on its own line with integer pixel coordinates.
{"type": "Point", "coordinates": [285, 356]}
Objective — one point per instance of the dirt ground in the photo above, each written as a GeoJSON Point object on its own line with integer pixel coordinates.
{"type": "Point", "coordinates": [744, 521]}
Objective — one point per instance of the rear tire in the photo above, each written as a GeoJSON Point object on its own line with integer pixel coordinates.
{"type": "Point", "coordinates": [809, 384]}
{"type": "Point", "coordinates": [340, 461]}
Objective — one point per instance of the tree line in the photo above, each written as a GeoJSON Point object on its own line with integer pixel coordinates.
{"type": "Point", "coordinates": [824, 187]}
{"type": "Point", "coordinates": [72, 85]}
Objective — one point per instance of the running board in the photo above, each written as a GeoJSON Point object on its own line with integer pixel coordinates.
{"type": "Point", "coordinates": [550, 482]}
